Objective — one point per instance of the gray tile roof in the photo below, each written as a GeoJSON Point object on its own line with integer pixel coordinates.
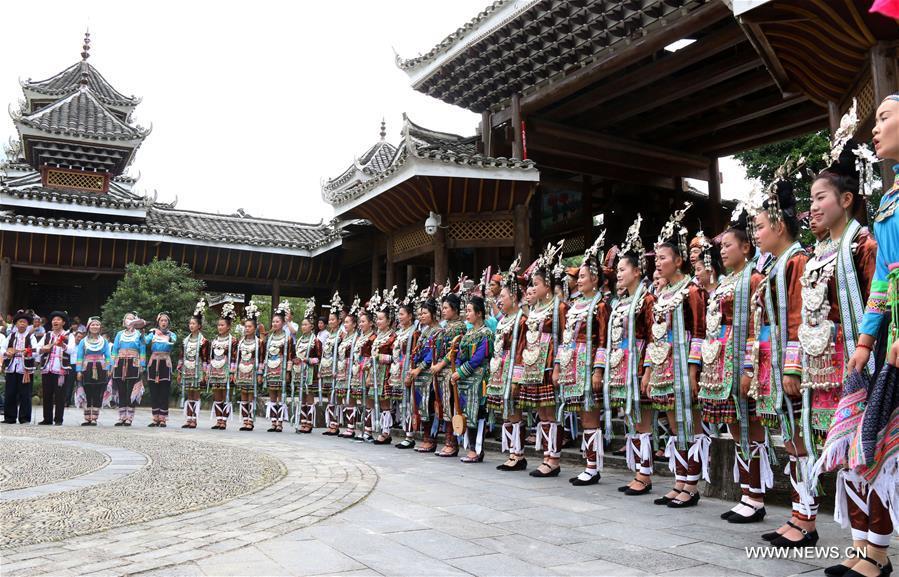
{"type": "Point", "coordinates": [81, 114]}
{"type": "Point", "coordinates": [69, 80]}
{"type": "Point", "coordinates": [421, 143]}
{"type": "Point", "coordinates": [205, 228]}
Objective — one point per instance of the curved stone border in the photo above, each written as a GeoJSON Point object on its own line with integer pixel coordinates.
{"type": "Point", "coordinates": [318, 484]}
{"type": "Point", "coordinates": [120, 462]}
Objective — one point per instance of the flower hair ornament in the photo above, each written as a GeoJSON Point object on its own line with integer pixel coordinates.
{"type": "Point", "coordinates": [862, 153]}
{"type": "Point", "coordinates": [674, 231]}
{"type": "Point", "coordinates": [200, 309]}
{"type": "Point", "coordinates": [545, 262]}
{"type": "Point", "coordinates": [355, 307]}
{"type": "Point", "coordinates": [633, 244]}
{"type": "Point", "coordinates": [374, 303]}
{"type": "Point", "coordinates": [283, 309]}
{"type": "Point", "coordinates": [336, 304]}
{"type": "Point", "coordinates": [251, 312]}
{"type": "Point", "coordinates": [412, 299]}
{"type": "Point", "coordinates": [389, 304]}
{"type": "Point", "coordinates": [228, 312]}
{"type": "Point", "coordinates": [309, 311]}
{"type": "Point", "coordinates": [510, 278]}
{"type": "Point", "coordinates": [771, 201]}
{"type": "Point", "coordinates": [595, 255]}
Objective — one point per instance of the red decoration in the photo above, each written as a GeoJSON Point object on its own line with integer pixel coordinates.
{"type": "Point", "coordinates": [888, 8]}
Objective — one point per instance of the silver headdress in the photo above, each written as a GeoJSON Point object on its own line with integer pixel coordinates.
{"type": "Point", "coordinates": [510, 277]}
{"type": "Point", "coordinates": [309, 312]}
{"type": "Point", "coordinates": [200, 309]}
{"type": "Point", "coordinates": [388, 302]}
{"type": "Point", "coordinates": [595, 255]}
{"type": "Point", "coordinates": [842, 135]}
{"type": "Point", "coordinates": [633, 244]}
{"type": "Point", "coordinates": [546, 261]}
{"type": "Point", "coordinates": [336, 304]}
{"type": "Point", "coordinates": [228, 312]}
{"type": "Point", "coordinates": [411, 298]}
{"type": "Point", "coordinates": [283, 308]}
{"type": "Point", "coordinates": [374, 303]}
{"type": "Point", "coordinates": [705, 250]}
{"type": "Point", "coordinates": [771, 198]}
{"type": "Point", "coordinates": [864, 156]}
{"type": "Point", "coordinates": [674, 231]}
{"type": "Point", "coordinates": [251, 312]}
{"type": "Point", "coordinates": [355, 307]}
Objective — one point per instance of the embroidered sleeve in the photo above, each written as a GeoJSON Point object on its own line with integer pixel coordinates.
{"type": "Point", "coordinates": [79, 356]}
{"type": "Point", "coordinates": [747, 354]}
{"type": "Point", "coordinates": [695, 351]}
{"type": "Point", "coordinates": [467, 368]}
{"type": "Point", "coordinates": [599, 359]}
{"type": "Point", "coordinates": [793, 359]}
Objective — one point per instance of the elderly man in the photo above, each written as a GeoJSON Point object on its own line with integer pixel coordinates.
{"type": "Point", "coordinates": [18, 364]}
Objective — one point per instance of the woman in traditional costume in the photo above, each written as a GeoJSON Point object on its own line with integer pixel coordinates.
{"type": "Point", "coordinates": [447, 347]}
{"type": "Point", "coordinates": [93, 359]}
{"type": "Point", "coordinates": [128, 362]}
{"type": "Point", "coordinates": [347, 370]}
{"type": "Point", "coordinates": [307, 357]}
{"type": "Point", "coordinates": [407, 335]}
{"type": "Point", "coordinates": [278, 365]}
{"type": "Point", "coordinates": [192, 366]}
{"type": "Point", "coordinates": [502, 395]}
{"type": "Point", "coordinates": [581, 359]}
{"type": "Point", "coordinates": [426, 394]}
{"type": "Point", "coordinates": [538, 379]}
{"type": "Point", "coordinates": [772, 377]}
{"type": "Point", "coordinates": [250, 363]}
{"type": "Point", "coordinates": [674, 361]}
{"type": "Point", "coordinates": [469, 377]}
{"type": "Point", "coordinates": [380, 393]}
{"type": "Point", "coordinates": [728, 322]}
{"type": "Point", "coordinates": [222, 367]}
{"type": "Point", "coordinates": [327, 391]}
{"type": "Point", "coordinates": [160, 342]}
{"type": "Point", "coordinates": [630, 323]}
{"type": "Point", "coordinates": [361, 367]}
{"type": "Point", "coordinates": [864, 432]}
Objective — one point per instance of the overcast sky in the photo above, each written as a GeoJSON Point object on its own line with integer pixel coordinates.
{"type": "Point", "coordinates": [251, 104]}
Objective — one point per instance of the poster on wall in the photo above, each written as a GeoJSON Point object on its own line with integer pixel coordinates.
{"type": "Point", "coordinates": [559, 207]}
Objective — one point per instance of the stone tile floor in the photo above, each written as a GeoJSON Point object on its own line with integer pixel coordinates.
{"type": "Point", "coordinates": [347, 508]}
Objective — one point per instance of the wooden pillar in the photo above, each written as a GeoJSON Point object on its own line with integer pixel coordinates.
{"type": "Point", "coordinates": [521, 232]}
{"type": "Point", "coordinates": [390, 277]}
{"type": "Point", "coordinates": [587, 214]}
{"type": "Point", "coordinates": [276, 293]}
{"type": "Point", "coordinates": [375, 268]}
{"type": "Point", "coordinates": [517, 145]}
{"type": "Point", "coordinates": [833, 116]}
{"type": "Point", "coordinates": [5, 286]}
{"type": "Point", "coordinates": [441, 256]}
{"type": "Point", "coordinates": [410, 274]}
{"type": "Point", "coordinates": [487, 133]}
{"type": "Point", "coordinates": [714, 198]}
{"type": "Point", "coordinates": [884, 76]}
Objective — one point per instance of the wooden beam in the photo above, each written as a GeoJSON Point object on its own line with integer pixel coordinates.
{"type": "Point", "coordinates": [833, 116]}
{"type": "Point", "coordinates": [712, 44]}
{"type": "Point", "coordinates": [522, 233]}
{"type": "Point", "coordinates": [714, 206]}
{"type": "Point", "coordinates": [769, 57]}
{"type": "Point", "coordinates": [770, 126]}
{"type": "Point", "coordinates": [691, 83]}
{"type": "Point", "coordinates": [517, 145]}
{"type": "Point", "coordinates": [754, 82]}
{"type": "Point", "coordinates": [602, 170]}
{"type": "Point", "coordinates": [616, 143]}
{"type": "Point", "coordinates": [614, 60]}
{"type": "Point", "coordinates": [727, 118]}
{"type": "Point", "coordinates": [767, 137]}
{"type": "Point", "coordinates": [578, 144]}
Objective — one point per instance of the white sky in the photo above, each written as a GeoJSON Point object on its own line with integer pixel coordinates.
{"type": "Point", "coordinates": [252, 104]}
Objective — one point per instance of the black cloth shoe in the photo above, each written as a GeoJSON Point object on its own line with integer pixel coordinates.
{"type": "Point", "coordinates": [520, 465]}
{"type": "Point", "coordinates": [553, 471]}
{"type": "Point", "coordinates": [691, 502]}
{"type": "Point", "coordinates": [405, 444]}
{"type": "Point", "coordinates": [578, 482]}
{"type": "Point", "coordinates": [45, 423]}
{"type": "Point", "coordinates": [647, 487]}
{"type": "Point", "coordinates": [809, 538]}
{"type": "Point", "coordinates": [758, 514]}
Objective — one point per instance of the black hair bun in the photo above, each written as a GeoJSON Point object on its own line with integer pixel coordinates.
{"type": "Point", "coordinates": [845, 165]}
{"type": "Point", "coordinates": [741, 222]}
{"type": "Point", "coordinates": [785, 194]}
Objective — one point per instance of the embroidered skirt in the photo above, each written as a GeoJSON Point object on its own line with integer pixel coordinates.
{"type": "Point", "coordinates": [716, 394]}
{"type": "Point", "coordinates": [576, 379]}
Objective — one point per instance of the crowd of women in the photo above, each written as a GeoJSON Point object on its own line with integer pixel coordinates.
{"type": "Point", "coordinates": [762, 338]}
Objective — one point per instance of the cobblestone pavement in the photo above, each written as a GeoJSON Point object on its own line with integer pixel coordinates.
{"type": "Point", "coordinates": [419, 515]}
{"type": "Point", "coordinates": [26, 463]}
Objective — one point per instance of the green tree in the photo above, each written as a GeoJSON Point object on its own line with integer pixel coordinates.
{"type": "Point", "coordinates": [162, 285]}
{"type": "Point", "coordinates": [264, 303]}
{"type": "Point", "coordinates": [760, 163]}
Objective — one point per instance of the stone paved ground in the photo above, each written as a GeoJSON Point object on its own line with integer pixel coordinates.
{"type": "Point", "coordinates": [345, 508]}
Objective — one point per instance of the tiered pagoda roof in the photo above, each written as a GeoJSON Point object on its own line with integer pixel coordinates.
{"type": "Point", "coordinates": [421, 152]}
{"type": "Point", "coordinates": [66, 176]}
